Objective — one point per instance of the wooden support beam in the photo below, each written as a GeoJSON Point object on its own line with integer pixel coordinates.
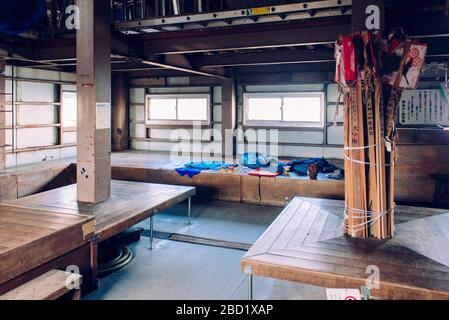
{"type": "Point", "coordinates": [178, 60]}
{"type": "Point", "coordinates": [264, 58]}
{"type": "Point", "coordinates": [246, 38]}
{"type": "Point", "coordinates": [228, 116]}
{"type": "Point", "coordinates": [94, 101]}
{"type": "Point", "coordinates": [166, 66]}
{"type": "Point", "coordinates": [2, 115]}
{"type": "Point", "coordinates": [120, 112]}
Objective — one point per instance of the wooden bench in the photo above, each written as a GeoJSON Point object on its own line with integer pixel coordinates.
{"type": "Point", "coordinates": [52, 285]}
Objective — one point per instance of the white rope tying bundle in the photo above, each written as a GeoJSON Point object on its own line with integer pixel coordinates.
{"type": "Point", "coordinates": [363, 214]}
{"type": "Point", "coordinates": [369, 163]}
{"type": "Point", "coordinates": [360, 148]}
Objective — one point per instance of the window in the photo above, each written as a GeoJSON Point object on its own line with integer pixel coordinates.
{"type": "Point", "coordinates": [69, 109]}
{"type": "Point", "coordinates": [184, 109]}
{"type": "Point", "coordinates": [284, 109]}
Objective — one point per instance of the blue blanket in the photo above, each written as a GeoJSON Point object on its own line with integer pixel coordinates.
{"type": "Point", "coordinates": [189, 172]}
{"type": "Point", "coordinates": [302, 166]}
{"type": "Point", "coordinates": [191, 169]}
{"type": "Point", "coordinates": [207, 165]}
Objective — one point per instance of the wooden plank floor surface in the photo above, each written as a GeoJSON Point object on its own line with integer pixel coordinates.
{"type": "Point", "coordinates": [306, 244]}
{"type": "Point", "coordinates": [130, 203]}
{"type": "Point", "coordinates": [49, 286]}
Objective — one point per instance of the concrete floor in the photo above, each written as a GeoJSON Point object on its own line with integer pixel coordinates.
{"type": "Point", "coordinates": [176, 270]}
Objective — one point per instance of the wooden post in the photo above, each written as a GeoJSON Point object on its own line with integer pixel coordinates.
{"type": "Point", "coordinates": [2, 115]}
{"type": "Point", "coordinates": [93, 41]}
{"type": "Point", "coordinates": [93, 261]}
{"type": "Point", "coordinates": [120, 112]}
{"type": "Point", "coordinates": [228, 117]}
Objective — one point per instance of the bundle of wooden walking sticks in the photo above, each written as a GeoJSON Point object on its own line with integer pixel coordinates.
{"type": "Point", "coordinates": [372, 73]}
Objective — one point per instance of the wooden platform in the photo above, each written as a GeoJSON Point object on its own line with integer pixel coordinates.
{"type": "Point", "coordinates": [413, 183]}
{"type": "Point", "coordinates": [30, 238]}
{"type": "Point", "coordinates": [306, 244]}
{"type": "Point", "coordinates": [130, 203]}
{"type": "Point", "coordinates": [237, 186]}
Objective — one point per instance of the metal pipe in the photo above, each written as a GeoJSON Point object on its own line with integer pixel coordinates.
{"type": "Point", "coordinates": [164, 8]}
{"type": "Point", "coordinates": [441, 35]}
{"type": "Point", "coordinates": [40, 80]}
{"type": "Point", "coordinates": [166, 66]}
{"type": "Point", "coordinates": [13, 101]}
{"type": "Point", "coordinates": [151, 232]}
{"type": "Point", "coordinates": [189, 206]}
{"type": "Point", "coordinates": [250, 287]}
{"type": "Point", "coordinates": [176, 7]}
{"type": "Point", "coordinates": [27, 60]}
{"type": "Point", "coordinates": [143, 9]}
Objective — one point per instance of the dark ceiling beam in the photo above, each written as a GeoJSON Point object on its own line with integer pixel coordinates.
{"type": "Point", "coordinates": [48, 52]}
{"type": "Point", "coordinates": [65, 48]}
{"type": "Point", "coordinates": [179, 60]}
{"type": "Point", "coordinates": [63, 63]}
{"type": "Point", "coordinates": [55, 49]}
{"type": "Point", "coordinates": [295, 34]}
{"type": "Point", "coordinates": [289, 77]}
{"type": "Point", "coordinates": [314, 67]}
{"type": "Point", "coordinates": [15, 48]}
{"type": "Point", "coordinates": [150, 73]}
{"type": "Point", "coordinates": [422, 25]}
{"type": "Point", "coordinates": [264, 58]}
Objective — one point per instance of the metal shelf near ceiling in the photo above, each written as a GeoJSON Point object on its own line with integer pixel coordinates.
{"type": "Point", "coordinates": [129, 21]}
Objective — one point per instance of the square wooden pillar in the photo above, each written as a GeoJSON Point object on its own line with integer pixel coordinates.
{"type": "Point", "coordinates": [2, 115]}
{"type": "Point", "coordinates": [120, 112]}
{"type": "Point", "coordinates": [228, 117]}
{"type": "Point", "coordinates": [93, 51]}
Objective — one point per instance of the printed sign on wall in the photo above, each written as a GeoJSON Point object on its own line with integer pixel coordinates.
{"type": "Point", "coordinates": [423, 107]}
{"type": "Point", "coordinates": [103, 120]}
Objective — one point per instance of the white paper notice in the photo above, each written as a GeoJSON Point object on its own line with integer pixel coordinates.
{"type": "Point", "coordinates": [343, 294]}
{"type": "Point", "coordinates": [103, 120]}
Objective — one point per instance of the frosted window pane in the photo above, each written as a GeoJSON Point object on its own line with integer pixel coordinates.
{"type": "Point", "coordinates": [162, 109]}
{"type": "Point", "coordinates": [192, 109]}
{"type": "Point", "coordinates": [69, 109]}
{"type": "Point", "coordinates": [304, 109]}
{"type": "Point", "coordinates": [264, 109]}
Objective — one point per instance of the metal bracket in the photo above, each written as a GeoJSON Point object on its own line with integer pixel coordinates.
{"type": "Point", "coordinates": [248, 270]}
{"type": "Point", "coordinates": [365, 292]}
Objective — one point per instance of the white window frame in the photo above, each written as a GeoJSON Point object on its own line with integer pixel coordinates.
{"type": "Point", "coordinates": [283, 123]}
{"type": "Point", "coordinates": [149, 122]}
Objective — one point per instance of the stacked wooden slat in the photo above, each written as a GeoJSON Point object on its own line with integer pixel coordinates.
{"type": "Point", "coordinates": [370, 105]}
